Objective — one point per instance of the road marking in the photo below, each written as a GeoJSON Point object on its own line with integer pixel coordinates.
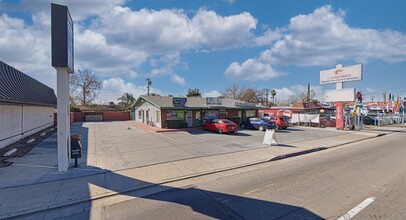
{"type": "Point", "coordinates": [379, 189]}
{"type": "Point", "coordinates": [350, 214]}
{"type": "Point", "coordinates": [168, 138]}
{"type": "Point", "coordinates": [38, 166]}
{"type": "Point", "coordinates": [252, 191]}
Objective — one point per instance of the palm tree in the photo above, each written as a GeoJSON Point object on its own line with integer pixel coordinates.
{"type": "Point", "coordinates": [127, 98]}
{"type": "Point", "coordinates": [273, 94]}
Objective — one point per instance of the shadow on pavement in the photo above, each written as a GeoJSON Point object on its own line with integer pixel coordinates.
{"type": "Point", "coordinates": [203, 202]}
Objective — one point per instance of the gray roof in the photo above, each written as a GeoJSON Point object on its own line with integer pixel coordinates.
{"type": "Point", "coordinates": [19, 88]}
{"type": "Point", "coordinates": [195, 102]}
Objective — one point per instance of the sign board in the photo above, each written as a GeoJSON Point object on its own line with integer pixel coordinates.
{"type": "Point", "coordinates": [341, 74]}
{"type": "Point", "coordinates": [342, 95]}
{"type": "Point", "coordinates": [339, 115]}
{"type": "Point", "coordinates": [244, 104]}
{"type": "Point", "coordinates": [179, 102]}
{"type": "Point", "coordinates": [270, 137]}
{"type": "Point", "coordinates": [213, 101]}
{"type": "Point", "coordinates": [62, 37]}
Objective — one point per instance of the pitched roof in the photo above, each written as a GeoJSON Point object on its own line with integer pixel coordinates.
{"type": "Point", "coordinates": [196, 102]}
{"type": "Point", "coordinates": [17, 87]}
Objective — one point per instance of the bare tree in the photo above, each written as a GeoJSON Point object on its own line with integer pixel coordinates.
{"type": "Point", "coordinates": [233, 91]}
{"type": "Point", "coordinates": [84, 87]}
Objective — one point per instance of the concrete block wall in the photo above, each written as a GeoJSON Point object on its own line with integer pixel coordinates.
{"type": "Point", "coordinates": [18, 122]}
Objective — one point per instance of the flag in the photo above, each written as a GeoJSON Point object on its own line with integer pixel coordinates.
{"type": "Point", "coordinates": [389, 97]}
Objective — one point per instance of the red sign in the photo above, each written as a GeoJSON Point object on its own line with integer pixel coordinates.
{"type": "Point", "coordinates": [339, 115]}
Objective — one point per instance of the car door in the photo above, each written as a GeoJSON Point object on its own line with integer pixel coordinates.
{"type": "Point", "coordinates": [255, 122]}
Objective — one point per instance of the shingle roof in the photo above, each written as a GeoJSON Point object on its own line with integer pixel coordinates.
{"type": "Point", "coordinates": [197, 102]}
{"type": "Point", "coordinates": [17, 87]}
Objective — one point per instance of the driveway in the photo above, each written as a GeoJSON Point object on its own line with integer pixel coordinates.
{"type": "Point", "coordinates": [113, 146]}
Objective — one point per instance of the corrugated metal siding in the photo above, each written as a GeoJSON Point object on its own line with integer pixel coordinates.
{"type": "Point", "coordinates": [17, 87]}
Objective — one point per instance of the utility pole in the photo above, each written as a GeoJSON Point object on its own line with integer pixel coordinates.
{"type": "Point", "coordinates": [148, 85]}
{"type": "Point", "coordinates": [267, 93]}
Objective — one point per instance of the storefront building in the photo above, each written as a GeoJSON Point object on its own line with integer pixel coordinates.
{"type": "Point", "coordinates": [174, 112]}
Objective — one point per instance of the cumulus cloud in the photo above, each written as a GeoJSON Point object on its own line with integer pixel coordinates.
{"type": "Point", "coordinates": [178, 80]}
{"type": "Point", "coordinates": [213, 93]}
{"type": "Point", "coordinates": [114, 88]}
{"type": "Point", "coordinates": [251, 70]}
{"type": "Point", "coordinates": [283, 94]}
{"type": "Point", "coordinates": [114, 41]}
{"type": "Point", "coordinates": [323, 38]}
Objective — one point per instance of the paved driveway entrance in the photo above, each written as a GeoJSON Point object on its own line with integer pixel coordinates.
{"type": "Point", "coordinates": [113, 146]}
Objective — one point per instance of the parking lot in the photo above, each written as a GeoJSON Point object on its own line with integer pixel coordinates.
{"type": "Point", "coordinates": [113, 146]}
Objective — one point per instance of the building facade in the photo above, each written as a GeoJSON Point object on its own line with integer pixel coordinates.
{"type": "Point", "coordinates": [26, 105]}
{"type": "Point", "coordinates": [176, 112]}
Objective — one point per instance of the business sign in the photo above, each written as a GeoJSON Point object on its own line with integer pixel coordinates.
{"type": "Point", "coordinates": [339, 115]}
{"type": "Point", "coordinates": [341, 74]}
{"type": "Point", "coordinates": [270, 137]}
{"type": "Point", "coordinates": [342, 95]}
{"type": "Point", "coordinates": [62, 37]}
{"type": "Point", "coordinates": [244, 104]}
{"type": "Point", "coordinates": [213, 101]}
{"type": "Point", "coordinates": [179, 102]}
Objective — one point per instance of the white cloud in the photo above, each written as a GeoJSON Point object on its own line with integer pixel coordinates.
{"type": "Point", "coordinates": [251, 70]}
{"type": "Point", "coordinates": [318, 39]}
{"type": "Point", "coordinates": [114, 88]}
{"type": "Point", "coordinates": [230, 1]}
{"type": "Point", "coordinates": [268, 37]}
{"type": "Point", "coordinates": [213, 93]}
{"type": "Point", "coordinates": [178, 80]}
{"type": "Point", "coordinates": [284, 93]}
{"type": "Point", "coordinates": [323, 38]}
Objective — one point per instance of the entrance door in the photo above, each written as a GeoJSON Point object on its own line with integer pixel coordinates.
{"type": "Point", "coordinates": [147, 116]}
{"type": "Point", "coordinates": [189, 118]}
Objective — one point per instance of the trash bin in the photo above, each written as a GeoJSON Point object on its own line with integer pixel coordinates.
{"type": "Point", "coordinates": [75, 148]}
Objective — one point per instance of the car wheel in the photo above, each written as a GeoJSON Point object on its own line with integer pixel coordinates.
{"type": "Point", "coordinates": [260, 128]}
{"type": "Point", "coordinates": [322, 126]}
{"type": "Point", "coordinates": [284, 128]}
{"type": "Point", "coordinates": [242, 126]}
{"type": "Point", "coordinates": [204, 127]}
{"type": "Point", "coordinates": [278, 127]}
{"type": "Point", "coordinates": [220, 131]}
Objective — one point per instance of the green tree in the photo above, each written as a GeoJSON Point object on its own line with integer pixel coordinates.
{"type": "Point", "coordinates": [273, 94]}
{"type": "Point", "coordinates": [193, 93]}
{"type": "Point", "coordinates": [127, 98]}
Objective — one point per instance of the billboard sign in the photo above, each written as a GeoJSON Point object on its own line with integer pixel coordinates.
{"type": "Point", "coordinates": [341, 95]}
{"type": "Point", "coordinates": [62, 37]}
{"type": "Point", "coordinates": [179, 102]}
{"type": "Point", "coordinates": [341, 74]}
{"type": "Point", "coordinates": [213, 101]}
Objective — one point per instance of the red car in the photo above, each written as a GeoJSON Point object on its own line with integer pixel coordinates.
{"type": "Point", "coordinates": [281, 122]}
{"type": "Point", "coordinates": [220, 126]}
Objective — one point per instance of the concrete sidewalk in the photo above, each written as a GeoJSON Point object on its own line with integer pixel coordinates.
{"type": "Point", "coordinates": [15, 201]}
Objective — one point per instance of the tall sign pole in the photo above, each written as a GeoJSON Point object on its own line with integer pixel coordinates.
{"type": "Point", "coordinates": [62, 61]}
{"type": "Point", "coordinates": [339, 76]}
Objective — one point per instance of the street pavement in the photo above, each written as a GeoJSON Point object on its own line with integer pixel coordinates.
{"type": "Point", "coordinates": [123, 156]}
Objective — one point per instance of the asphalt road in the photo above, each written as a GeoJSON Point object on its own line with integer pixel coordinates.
{"type": "Point", "coordinates": [370, 175]}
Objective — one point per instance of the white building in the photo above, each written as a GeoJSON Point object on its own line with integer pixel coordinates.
{"type": "Point", "coordinates": [26, 105]}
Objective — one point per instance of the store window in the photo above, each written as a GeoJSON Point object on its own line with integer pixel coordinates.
{"type": "Point", "coordinates": [139, 114]}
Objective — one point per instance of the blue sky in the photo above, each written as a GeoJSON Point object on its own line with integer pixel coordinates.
{"type": "Point", "coordinates": [208, 45]}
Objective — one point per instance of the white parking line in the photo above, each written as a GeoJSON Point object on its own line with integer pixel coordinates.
{"type": "Point", "coordinates": [350, 214]}
{"type": "Point", "coordinates": [30, 165]}
{"type": "Point", "coordinates": [167, 138]}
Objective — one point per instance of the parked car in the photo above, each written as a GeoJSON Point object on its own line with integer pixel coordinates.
{"type": "Point", "coordinates": [220, 126]}
{"type": "Point", "coordinates": [369, 120]}
{"type": "Point", "coordinates": [258, 123]}
{"type": "Point", "coordinates": [327, 122]}
{"type": "Point", "coordinates": [281, 122]}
